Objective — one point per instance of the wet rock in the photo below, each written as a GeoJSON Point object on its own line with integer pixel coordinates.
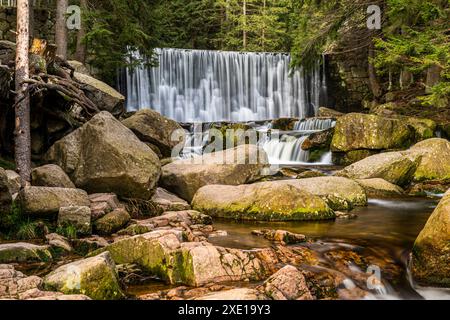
{"type": "Point", "coordinates": [345, 215]}
{"type": "Point", "coordinates": [287, 284]}
{"type": "Point", "coordinates": [50, 175]}
{"type": "Point", "coordinates": [435, 159]}
{"type": "Point", "coordinates": [78, 217]}
{"type": "Point", "coordinates": [150, 126]}
{"type": "Point", "coordinates": [319, 140]}
{"type": "Point", "coordinates": [394, 167]}
{"type": "Point", "coordinates": [167, 201]}
{"type": "Point", "coordinates": [357, 131]}
{"type": "Point", "coordinates": [339, 193]}
{"type": "Point", "coordinates": [95, 277]}
{"type": "Point", "coordinates": [266, 201]}
{"type": "Point", "coordinates": [105, 156]}
{"type": "Point", "coordinates": [58, 243]}
{"type": "Point", "coordinates": [24, 252]}
{"type": "Point", "coordinates": [380, 188]}
{"type": "Point", "coordinates": [46, 200]}
{"type": "Point", "coordinates": [238, 294]}
{"type": "Point", "coordinates": [282, 236]}
{"type": "Point", "coordinates": [112, 222]}
{"type": "Point", "coordinates": [103, 96]}
{"type": "Point", "coordinates": [329, 113]}
{"type": "Point", "coordinates": [185, 177]}
{"type": "Point", "coordinates": [431, 254]}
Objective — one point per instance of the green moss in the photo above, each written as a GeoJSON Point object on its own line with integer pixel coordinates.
{"type": "Point", "coordinates": [7, 164]}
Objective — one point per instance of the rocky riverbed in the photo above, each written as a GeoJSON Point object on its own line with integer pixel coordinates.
{"type": "Point", "coordinates": [109, 216]}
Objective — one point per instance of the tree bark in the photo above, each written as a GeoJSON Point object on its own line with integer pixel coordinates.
{"type": "Point", "coordinates": [61, 29]}
{"type": "Point", "coordinates": [22, 107]}
{"type": "Point", "coordinates": [80, 53]}
{"type": "Point", "coordinates": [373, 80]}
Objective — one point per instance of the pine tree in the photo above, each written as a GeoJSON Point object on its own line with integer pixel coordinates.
{"type": "Point", "coordinates": [61, 29]}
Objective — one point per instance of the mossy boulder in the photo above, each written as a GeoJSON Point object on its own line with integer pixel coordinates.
{"type": "Point", "coordinates": [357, 131]}
{"type": "Point", "coordinates": [435, 159]}
{"type": "Point", "coordinates": [264, 201]}
{"type": "Point", "coordinates": [112, 222]}
{"type": "Point", "coordinates": [236, 166]}
{"type": "Point", "coordinates": [5, 194]}
{"type": "Point", "coordinates": [105, 156]}
{"type": "Point", "coordinates": [50, 175]}
{"type": "Point", "coordinates": [150, 126]}
{"type": "Point", "coordinates": [95, 277]}
{"type": "Point", "coordinates": [394, 167]}
{"type": "Point", "coordinates": [431, 252]}
{"type": "Point", "coordinates": [423, 128]}
{"type": "Point", "coordinates": [338, 192]}
{"type": "Point", "coordinates": [46, 200]}
{"type": "Point", "coordinates": [347, 158]}
{"type": "Point", "coordinates": [22, 252]}
{"type": "Point", "coordinates": [380, 188]}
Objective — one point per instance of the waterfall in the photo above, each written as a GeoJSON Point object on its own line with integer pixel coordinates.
{"type": "Point", "coordinates": [211, 86]}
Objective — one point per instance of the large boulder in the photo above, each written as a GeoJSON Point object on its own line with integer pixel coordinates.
{"type": "Point", "coordinates": [105, 97]}
{"type": "Point", "coordinates": [167, 201]}
{"type": "Point", "coordinates": [95, 277]}
{"type": "Point", "coordinates": [46, 200]}
{"type": "Point", "coordinates": [161, 253]}
{"type": "Point", "coordinates": [78, 217]}
{"type": "Point", "coordinates": [435, 159]}
{"type": "Point", "coordinates": [105, 156]}
{"type": "Point", "coordinates": [287, 284]}
{"type": "Point", "coordinates": [236, 166]}
{"type": "Point", "coordinates": [50, 175]}
{"type": "Point", "coordinates": [150, 126]}
{"type": "Point", "coordinates": [357, 131]}
{"type": "Point", "coordinates": [431, 252]}
{"type": "Point", "coordinates": [380, 188]}
{"type": "Point", "coordinates": [24, 252]}
{"type": "Point", "coordinates": [339, 193]}
{"type": "Point", "coordinates": [266, 201]}
{"type": "Point", "coordinates": [395, 167]}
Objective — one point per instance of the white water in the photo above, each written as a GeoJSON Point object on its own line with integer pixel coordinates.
{"type": "Point", "coordinates": [210, 86]}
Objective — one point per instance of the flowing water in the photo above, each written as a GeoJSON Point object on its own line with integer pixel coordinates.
{"type": "Point", "coordinates": [207, 86]}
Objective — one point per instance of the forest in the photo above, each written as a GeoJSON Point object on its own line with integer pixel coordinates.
{"type": "Point", "coordinates": [224, 150]}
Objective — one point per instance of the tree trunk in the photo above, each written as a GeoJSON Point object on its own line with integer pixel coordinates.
{"type": "Point", "coordinates": [61, 28]}
{"type": "Point", "coordinates": [244, 28]}
{"type": "Point", "coordinates": [32, 23]}
{"type": "Point", "coordinates": [80, 53]}
{"type": "Point", "coordinates": [433, 77]}
{"type": "Point", "coordinates": [22, 108]}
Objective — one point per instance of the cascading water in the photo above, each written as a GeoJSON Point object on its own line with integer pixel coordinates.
{"type": "Point", "coordinates": [211, 86]}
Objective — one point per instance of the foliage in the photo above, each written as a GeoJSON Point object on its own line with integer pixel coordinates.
{"type": "Point", "coordinates": [15, 225]}
{"type": "Point", "coordinates": [68, 231]}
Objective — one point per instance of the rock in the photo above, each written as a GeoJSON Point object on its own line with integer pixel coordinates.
{"type": "Point", "coordinates": [177, 218]}
{"type": "Point", "coordinates": [357, 131]}
{"type": "Point", "coordinates": [95, 277]}
{"type": "Point", "coordinates": [347, 158]}
{"type": "Point", "coordinates": [185, 177]}
{"type": "Point", "coordinates": [103, 96]}
{"type": "Point", "coordinates": [310, 174]}
{"type": "Point", "coordinates": [435, 159]}
{"type": "Point", "coordinates": [380, 188]}
{"type": "Point", "coordinates": [394, 167]}
{"type": "Point", "coordinates": [431, 252]}
{"type": "Point", "coordinates": [339, 193]}
{"type": "Point", "coordinates": [329, 113]}
{"type": "Point", "coordinates": [5, 194]}
{"type": "Point", "coordinates": [103, 203]}
{"type": "Point", "coordinates": [266, 201]}
{"type": "Point", "coordinates": [423, 128]}
{"type": "Point", "coordinates": [287, 284]}
{"type": "Point", "coordinates": [50, 175]}
{"type": "Point", "coordinates": [13, 181]}
{"type": "Point", "coordinates": [23, 252]}
{"type": "Point", "coordinates": [46, 200]}
{"type": "Point", "coordinates": [162, 254]}
{"type": "Point", "coordinates": [238, 294]}
{"type": "Point", "coordinates": [112, 222]}
{"type": "Point", "coordinates": [85, 246]}
{"type": "Point", "coordinates": [105, 156]}
{"type": "Point", "coordinates": [78, 217]}
{"type": "Point", "coordinates": [150, 126]}
{"type": "Point", "coordinates": [345, 215]}
{"type": "Point", "coordinates": [78, 67]}
{"type": "Point", "coordinates": [167, 201]}
{"type": "Point", "coordinates": [58, 243]}
{"type": "Point", "coordinates": [282, 236]}
{"type": "Point", "coordinates": [319, 140]}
